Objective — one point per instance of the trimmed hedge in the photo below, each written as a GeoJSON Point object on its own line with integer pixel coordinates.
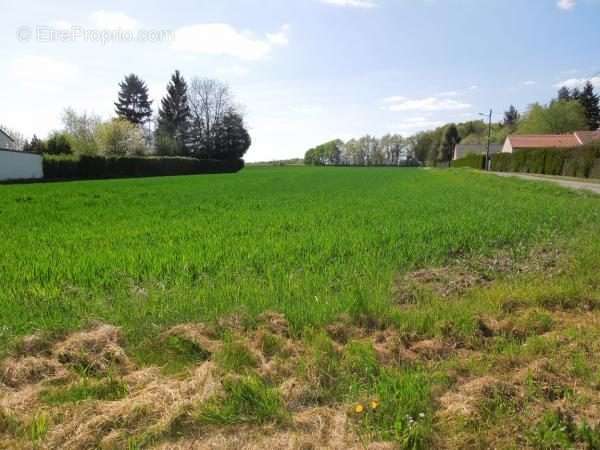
{"type": "Point", "coordinates": [99, 167]}
{"type": "Point", "coordinates": [583, 162]}
{"type": "Point", "coordinates": [474, 161]}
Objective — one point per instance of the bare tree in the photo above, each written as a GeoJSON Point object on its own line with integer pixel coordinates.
{"type": "Point", "coordinates": [210, 100]}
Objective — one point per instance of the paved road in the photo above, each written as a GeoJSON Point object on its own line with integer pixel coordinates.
{"type": "Point", "coordinates": [564, 182]}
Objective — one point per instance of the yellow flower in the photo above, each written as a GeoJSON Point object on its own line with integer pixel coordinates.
{"type": "Point", "coordinates": [359, 408]}
{"type": "Point", "coordinates": [374, 404]}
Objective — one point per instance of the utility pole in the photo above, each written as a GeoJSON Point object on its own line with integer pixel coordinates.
{"type": "Point", "coordinates": [487, 156]}
{"type": "Point", "coordinates": [489, 141]}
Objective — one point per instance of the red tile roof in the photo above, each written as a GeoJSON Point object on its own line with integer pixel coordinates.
{"type": "Point", "coordinates": [587, 137]}
{"type": "Point", "coordinates": [544, 141]}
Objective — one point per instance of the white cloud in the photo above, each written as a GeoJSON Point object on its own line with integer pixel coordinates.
{"type": "Point", "coordinates": [281, 37]}
{"type": "Point", "coordinates": [113, 20]}
{"type": "Point", "coordinates": [43, 71]}
{"type": "Point", "coordinates": [529, 83]}
{"type": "Point", "coordinates": [221, 39]}
{"type": "Point", "coordinates": [427, 104]}
{"type": "Point", "coordinates": [578, 82]}
{"type": "Point", "coordinates": [449, 94]}
{"type": "Point", "coordinates": [566, 5]}
{"type": "Point", "coordinates": [352, 3]}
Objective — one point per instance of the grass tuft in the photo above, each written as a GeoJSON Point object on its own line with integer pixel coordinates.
{"type": "Point", "coordinates": [245, 400]}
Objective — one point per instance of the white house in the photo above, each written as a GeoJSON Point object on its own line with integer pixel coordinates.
{"type": "Point", "coordinates": [462, 150]}
{"type": "Point", "coordinates": [5, 140]}
{"type": "Point", "coordinates": [16, 165]}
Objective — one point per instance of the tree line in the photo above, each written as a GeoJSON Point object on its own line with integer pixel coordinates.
{"type": "Point", "coordinates": [200, 121]}
{"type": "Point", "coordinates": [572, 110]}
{"type": "Point", "coordinates": [389, 150]}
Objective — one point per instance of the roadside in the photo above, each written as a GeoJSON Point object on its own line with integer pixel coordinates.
{"type": "Point", "coordinates": [571, 183]}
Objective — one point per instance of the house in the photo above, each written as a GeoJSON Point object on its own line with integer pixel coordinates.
{"type": "Point", "coordinates": [5, 140]}
{"type": "Point", "coordinates": [462, 150]}
{"type": "Point", "coordinates": [533, 141]}
{"type": "Point", "coordinates": [16, 165]}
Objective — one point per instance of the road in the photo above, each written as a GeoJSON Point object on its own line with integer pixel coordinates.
{"type": "Point", "coordinates": [561, 181]}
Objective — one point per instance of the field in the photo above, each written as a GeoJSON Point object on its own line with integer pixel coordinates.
{"type": "Point", "coordinates": [326, 307]}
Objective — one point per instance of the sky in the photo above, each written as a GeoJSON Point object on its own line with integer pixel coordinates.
{"type": "Point", "coordinates": [303, 71]}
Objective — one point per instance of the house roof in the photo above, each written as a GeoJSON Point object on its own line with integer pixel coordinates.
{"type": "Point", "coordinates": [6, 134]}
{"type": "Point", "coordinates": [544, 141]}
{"type": "Point", "coordinates": [587, 137]}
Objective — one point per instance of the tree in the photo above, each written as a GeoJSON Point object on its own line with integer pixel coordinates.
{"type": "Point", "coordinates": [564, 94]}
{"type": "Point", "coordinates": [133, 103]}
{"type": "Point", "coordinates": [58, 144]}
{"type": "Point", "coordinates": [174, 116]}
{"type": "Point", "coordinates": [511, 117]}
{"type": "Point", "coordinates": [591, 104]}
{"type": "Point", "coordinates": [18, 139]}
{"type": "Point", "coordinates": [35, 146]}
{"type": "Point", "coordinates": [80, 129]}
{"type": "Point", "coordinates": [232, 140]}
{"type": "Point", "coordinates": [120, 137]}
{"type": "Point", "coordinates": [209, 101]}
{"type": "Point", "coordinates": [449, 141]}
{"type": "Point", "coordinates": [556, 118]}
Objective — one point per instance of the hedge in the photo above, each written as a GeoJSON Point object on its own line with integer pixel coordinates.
{"type": "Point", "coordinates": [474, 161]}
{"type": "Point", "coordinates": [99, 167]}
{"type": "Point", "coordinates": [581, 162]}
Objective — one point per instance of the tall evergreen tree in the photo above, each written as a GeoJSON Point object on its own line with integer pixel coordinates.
{"type": "Point", "coordinates": [134, 104]}
{"type": "Point", "coordinates": [511, 117]}
{"type": "Point", "coordinates": [174, 114]}
{"type": "Point", "coordinates": [449, 141]}
{"type": "Point", "coordinates": [564, 94]}
{"type": "Point", "coordinates": [591, 104]}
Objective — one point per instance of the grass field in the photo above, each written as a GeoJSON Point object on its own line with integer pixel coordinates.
{"type": "Point", "coordinates": [473, 277]}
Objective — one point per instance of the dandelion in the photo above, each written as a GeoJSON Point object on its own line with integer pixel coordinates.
{"type": "Point", "coordinates": [374, 404]}
{"type": "Point", "coordinates": [358, 409]}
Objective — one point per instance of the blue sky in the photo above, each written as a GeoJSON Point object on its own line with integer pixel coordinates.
{"type": "Point", "coordinates": [305, 70]}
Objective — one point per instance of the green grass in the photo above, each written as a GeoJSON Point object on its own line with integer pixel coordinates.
{"type": "Point", "coordinates": [309, 242]}
{"type": "Point", "coordinates": [86, 389]}
{"type": "Point", "coordinates": [245, 400]}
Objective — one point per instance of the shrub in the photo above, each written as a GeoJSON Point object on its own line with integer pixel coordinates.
{"type": "Point", "coordinates": [58, 144]}
{"type": "Point", "coordinates": [99, 167]}
{"type": "Point", "coordinates": [553, 164]}
{"type": "Point", "coordinates": [535, 161]}
{"type": "Point", "coordinates": [501, 162]}
{"type": "Point", "coordinates": [580, 162]}
{"type": "Point", "coordinates": [472, 160]}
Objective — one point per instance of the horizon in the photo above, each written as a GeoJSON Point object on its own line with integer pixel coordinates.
{"type": "Point", "coordinates": [308, 72]}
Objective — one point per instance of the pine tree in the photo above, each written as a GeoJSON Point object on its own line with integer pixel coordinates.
{"type": "Point", "coordinates": [511, 117]}
{"type": "Point", "coordinates": [133, 103]}
{"type": "Point", "coordinates": [564, 94]}
{"type": "Point", "coordinates": [174, 114]}
{"type": "Point", "coordinates": [591, 103]}
{"type": "Point", "coordinates": [449, 141]}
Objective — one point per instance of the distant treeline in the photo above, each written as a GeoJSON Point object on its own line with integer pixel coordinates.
{"type": "Point", "coordinates": [572, 110]}
{"type": "Point", "coordinates": [390, 150]}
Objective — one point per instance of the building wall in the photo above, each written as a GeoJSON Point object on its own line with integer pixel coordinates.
{"type": "Point", "coordinates": [507, 146]}
{"type": "Point", "coordinates": [20, 166]}
{"type": "Point", "coordinates": [5, 142]}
